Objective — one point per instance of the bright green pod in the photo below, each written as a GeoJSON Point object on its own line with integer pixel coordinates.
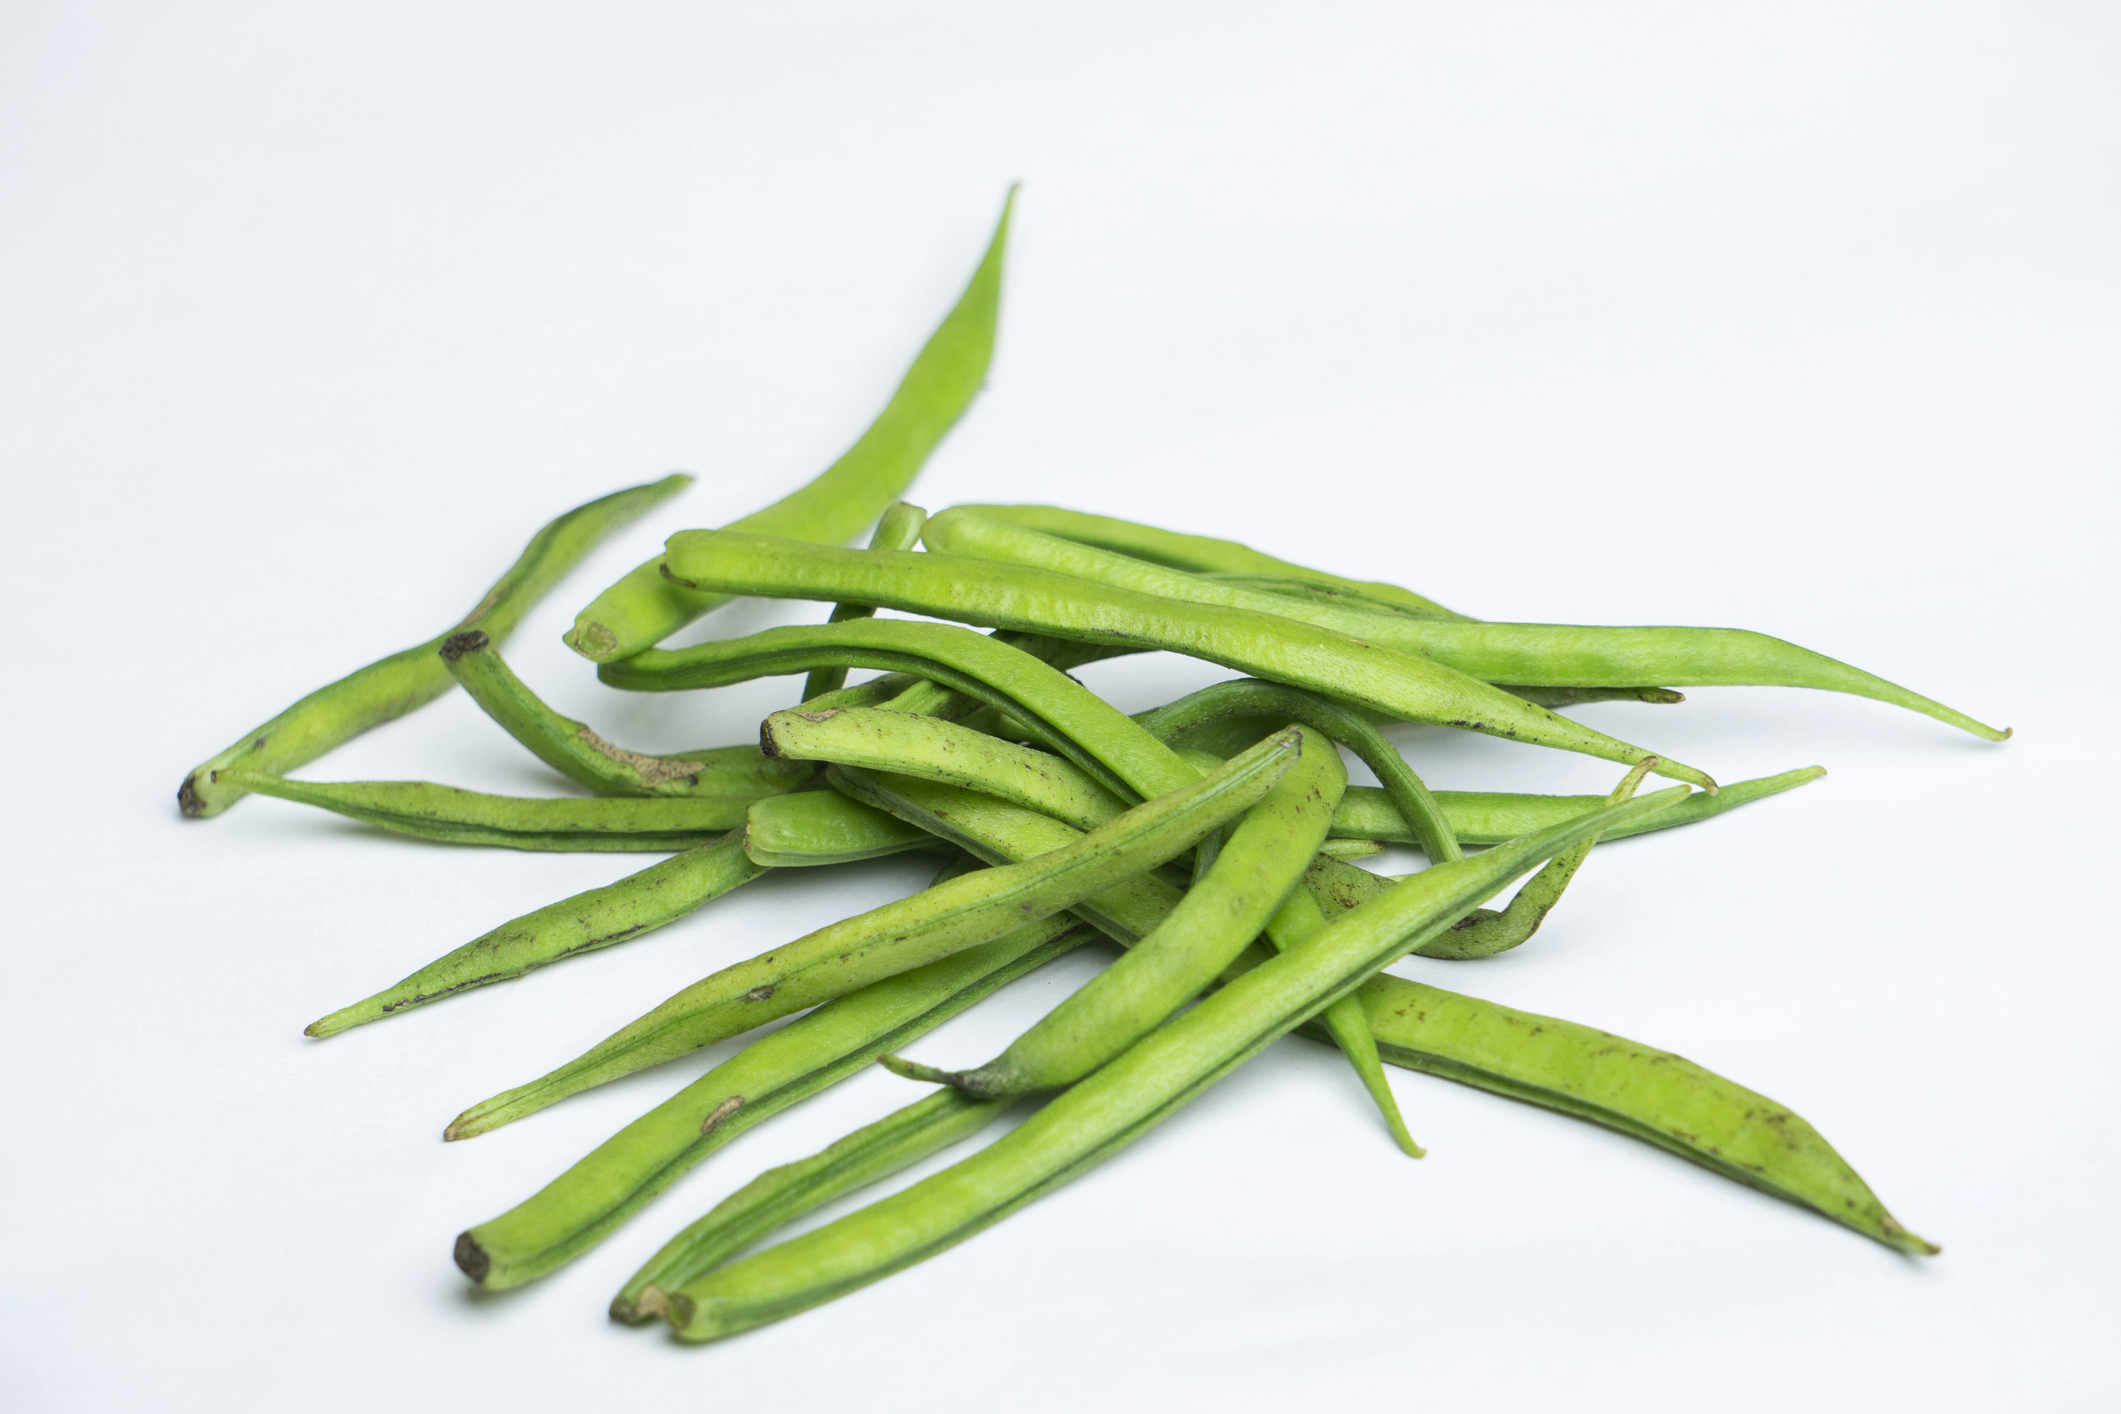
{"type": "Point", "coordinates": [1094, 734]}
{"type": "Point", "coordinates": [615, 913]}
{"type": "Point", "coordinates": [595, 1196]}
{"type": "Point", "coordinates": [1110, 1108]}
{"type": "Point", "coordinates": [781, 1195]}
{"type": "Point", "coordinates": [1200, 554]}
{"type": "Point", "coordinates": [883, 740]}
{"type": "Point", "coordinates": [900, 529]}
{"type": "Point", "coordinates": [1027, 598]}
{"type": "Point", "coordinates": [1249, 697]}
{"type": "Point", "coordinates": [432, 812]}
{"type": "Point", "coordinates": [903, 934]}
{"type": "Point", "coordinates": [393, 686]}
{"type": "Point", "coordinates": [644, 608]}
{"type": "Point", "coordinates": [1575, 1070]}
{"type": "Point", "coordinates": [1260, 862]}
{"type": "Point", "coordinates": [1526, 655]}
{"type": "Point", "coordinates": [814, 827]}
{"type": "Point", "coordinates": [584, 757]}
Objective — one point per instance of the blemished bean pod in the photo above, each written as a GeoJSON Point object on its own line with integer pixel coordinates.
{"type": "Point", "coordinates": [1114, 1105]}
{"type": "Point", "coordinates": [615, 913]}
{"type": "Point", "coordinates": [906, 933]}
{"type": "Point", "coordinates": [988, 592]}
{"type": "Point", "coordinates": [1560, 1065]}
{"type": "Point", "coordinates": [900, 529]}
{"type": "Point", "coordinates": [596, 1195]}
{"type": "Point", "coordinates": [781, 1195]}
{"type": "Point", "coordinates": [999, 832]}
{"type": "Point", "coordinates": [1260, 862]}
{"type": "Point", "coordinates": [391, 687]}
{"type": "Point", "coordinates": [1524, 655]}
{"type": "Point", "coordinates": [444, 813]}
{"type": "Point", "coordinates": [1200, 554]}
{"type": "Point", "coordinates": [1249, 697]}
{"type": "Point", "coordinates": [644, 608]}
{"type": "Point", "coordinates": [582, 756]}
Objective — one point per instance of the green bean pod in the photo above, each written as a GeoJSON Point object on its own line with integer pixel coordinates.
{"type": "Point", "coordinates": [1115, 1105]}
{"type": "Point", "coordinates": [592, 1198]}
{"type": "Point", "coordinates": [644, 608]}
{"type": "Point", "coordinates": [444, 813]}
{"type": "Point", "coordinates": [815, 827]}
{"type": "Point", "coordinates": [938, 921]}
{"type": "Point", "coordinates": [1525, 655]}
{"type": "Point", "coordinates": [615, 913]}
{"type": "Point", "coordinates": [1027, 598]}
{"type": "Point", "coordinates": [781, 1195]}
{"type": "Point", "coordinates": [582, 756]}
{"type": "Point", "coordinates": [1572, 1069]}
{"type": "Point", "coordinates": [1203, 555]}
{"type": "Point", "coordinates": [391, 687]}
{"type": "Point", "coordinates": [1249, 697]}
{"type": "Point", "coordinates": [899, 529]}
{"type": "Point", "coordinates": [1259, 864]}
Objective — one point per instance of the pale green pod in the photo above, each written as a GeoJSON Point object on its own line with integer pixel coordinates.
{"type": "Point", "coordinates": [644, 608]}
{"type": "Point", "coordinates": [403, 682]}
{"type": "Point", "coordinates": [899, 529]}
{"type": "Point", "coordinates": [814, 827]}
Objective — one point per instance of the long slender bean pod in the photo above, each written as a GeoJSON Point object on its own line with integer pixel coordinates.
{"type": "Point", "coordinates": [1559, 1065]}
{"type": "Point", "coordinates": [592, 1198]}
{"type": "Point", "coordinates": [615, 913]}
{"type": "Point", "coordinates": [999, 832]}
{"type": "Point", "coordinates": [1260, 862]}
{"type": "Point", "coordinates": [1524, 655]}
{"type": "Point", "coordinates": [391, 687]}
{"type": "Point", "coordinates": [444, 813]}
{"type": "Point", "coordinates": [644, 608]}
{"type": "Point", "coordinates": [579, 754]}
{"type": "Point", "coordinates": [1199, 554]}
{"type": "Point", "coordinates": [896, 936]}
{"type": "Point", "coordinates": [900, 529]}
{"type": "Point", "coordinates": [1249, 697]}
{"type": "Point", "coordinates": [781, 1195]}
{"type": "Point", "coordinates": [1113, 1106]}
{"type": "Point", "coordinates": [1035, 600]}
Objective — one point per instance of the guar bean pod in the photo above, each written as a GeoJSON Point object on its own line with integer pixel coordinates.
{"type": "Point", "coordinates": [1529, 655]}
{"type": "Point", "coordinates": [593, 1197]}
{"type": "Point", "coordinates": [644, 608]}
{"type": "Point", "coordinates": [391, 687]}
{"type": "Point", "coordinates": [986, 592]}
{"type": "Point", "coordinates": [1115, 1105]}
{"type": "Point", "coordinates": [899, 935]}
{"type": "Point", "coordinates": [899, 529]}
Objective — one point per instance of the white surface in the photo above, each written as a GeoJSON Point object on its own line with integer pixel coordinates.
{"type": "Point", "coordinates": [1798, 317]}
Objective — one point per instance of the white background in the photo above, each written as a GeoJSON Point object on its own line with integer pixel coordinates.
{"type": "Point", "coordinates": [1800, 317]}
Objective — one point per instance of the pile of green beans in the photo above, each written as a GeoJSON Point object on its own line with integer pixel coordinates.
{"type": "Point", "coordinates": [1211, 839]}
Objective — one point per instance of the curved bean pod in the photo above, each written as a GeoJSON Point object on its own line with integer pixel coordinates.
{"type": "Point", "coordinates": [1259, 864]}
{"type": "Point", "coordinates": [444, 813]}
{"type": "Point", "coordinates": [815, 827]}
{"type": "Point", "coordinates": [615, 913]}
{"type": "Point", "coordinates": [391, 687]}
{"type": "Point", "coordinates": [1526, 655]}
{"type": "Point", "coordinates": [582, 756]}
{"type": "Point", "coordinates": [644, 608]}
{"type": "Point", "coordinates": [1201, 554]}
{"type": "Point", "coordinates": [1115, 1105]}
{"type": "Point", "coordinates": [591, 1199]}
{"type": "Point", "coordinates": [781, 1195]}
{"type": "Point", "coordinates": [900, 529]}
{"type": "Point", "coordinates": [1268, 645]}
{"type": "Point", "coordinates": [896, 936]}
